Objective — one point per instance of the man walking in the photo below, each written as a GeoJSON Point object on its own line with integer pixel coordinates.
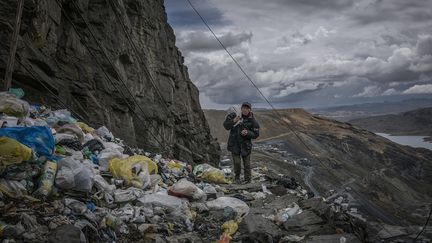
{"type": "Point", "coordinates": [243, 129]}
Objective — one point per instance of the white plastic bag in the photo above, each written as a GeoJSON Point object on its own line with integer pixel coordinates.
{"type": "Point", "coordinates": [185, 188]}
{"type": "Point", "coordinates": [106, 155]}
{"type": "Point", "coordinates": [73, 175]}
{"type": "Point", "coordinates": [127, 195]}
{"type": "Point", "coordinates": [12, 106]}
{"type": "Point", "coordinates": [237, 205]}
{"type": "Point", "coordinates": [103, 132]}
{"type": "Point", "coordinates": [164, 201]}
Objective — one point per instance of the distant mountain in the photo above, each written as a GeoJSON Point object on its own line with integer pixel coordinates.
{"type": "Point", "coordinates": [415, 122]}
{"type": "Point", "coordinates": [349, 112]}
{"type": "Point", "coordinates": [391, 180]}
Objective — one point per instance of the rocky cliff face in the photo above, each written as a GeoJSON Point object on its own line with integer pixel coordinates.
{"type": "Point", "coordinates": [57, 49]}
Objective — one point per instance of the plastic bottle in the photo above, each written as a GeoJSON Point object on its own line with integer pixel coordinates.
{"type": "Point", "coordinates": [47, 179]}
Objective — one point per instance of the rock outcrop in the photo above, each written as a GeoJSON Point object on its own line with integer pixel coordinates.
{"type": "Point", "coordinates": [79, 51]}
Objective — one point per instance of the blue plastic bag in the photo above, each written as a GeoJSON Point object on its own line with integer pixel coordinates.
{"type": "Point", "coordinates": [38, 138]}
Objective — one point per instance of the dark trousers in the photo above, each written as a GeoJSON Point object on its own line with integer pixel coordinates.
{"type": "Point", "coordinates": [246, 166]}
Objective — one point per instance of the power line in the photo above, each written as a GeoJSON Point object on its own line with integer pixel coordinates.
{"type": "Point", "coordinates": [113, 66]}
{"type": "Point", "coordinates": [265, 98]}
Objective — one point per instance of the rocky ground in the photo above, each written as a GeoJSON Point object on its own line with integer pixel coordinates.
{"type": "Point", "coordinates": [331, 216]}
{"type": "Point", "coordinates": [390, 181]}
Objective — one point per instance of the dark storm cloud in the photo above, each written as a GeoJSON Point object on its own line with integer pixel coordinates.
{"type": "Point", "coordinates": [395, 10]}
{"type": "Point", "coordinates": [180, 13]}
{"type": "Point", "coordinates": [203, 41]}
{"type": "Point", "coordinates": [308, 51]}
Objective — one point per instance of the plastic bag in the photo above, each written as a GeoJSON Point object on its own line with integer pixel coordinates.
{"type": "Point", "coordinates": [284, 214]}
{"type": "Point", "coordinates": [73, 130]}
{"type": "Point", "coordinates": [103, 132]}
{"type": "Point", "coordinates": [39, 139]}
{"type": "Point", "coordinates": [84, 127]}
{"type": "Point", "coordinates": [94, 145]}
{"type": "Point", "coordinates": [185, 188]}
{"type": "Point", "coordinates": [230, 227]}
{"type": "Point", "coordinates": [225, 238]}
{"type": "Point", "coordinates": [127, 195]}
{"type": "Point", "coordinates": [8, 121]}
{"type": "Point", "coordinates": [62, 115]}
{"type": "Point", "coordinates": [13, 152]}
{"type": "Point", "coordinates": [103, 185]}
{"type": "Point", "coordinates": [238, 205]}
{"type": "Point", "coordinates": [18, 92]}
{"type": "Point", "coordinates": [71, 143]}
{"type": "Point", "coordinates": [173, 165]}
{"type": "Point", "coordinates": [162, 200]}
{"type": "Point", "coordinates": [106, 155]}
{"type": "Point", "coordinates": [12, 106]}
{"type": "Point", "coordinates": [73, 175]}
{"type": "Point", "coordinates": [134, 170]}
{"type": "Point", "coordinates": [209, 173]}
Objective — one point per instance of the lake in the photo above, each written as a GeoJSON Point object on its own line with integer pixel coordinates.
{"type": "Point", "coordinates": [413, 141]}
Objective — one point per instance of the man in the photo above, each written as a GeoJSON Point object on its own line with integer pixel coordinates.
{"type": "Point", "coordinates": [243, 129]}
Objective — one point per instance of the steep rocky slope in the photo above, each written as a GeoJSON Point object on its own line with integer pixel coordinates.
{"type": "Point", "coordinates": [390, 182]}
{"type": "Point", "coordinates": [72, 64]}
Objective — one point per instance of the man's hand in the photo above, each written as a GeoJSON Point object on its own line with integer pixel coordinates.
{"type": "Point", "coordinates": [236, 119]}
{"type": "Point", "coordinates": [244, 132]}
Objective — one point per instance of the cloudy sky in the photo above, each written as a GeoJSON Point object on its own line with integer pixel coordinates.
{"type": "Point", "coordinates": [307, 53]}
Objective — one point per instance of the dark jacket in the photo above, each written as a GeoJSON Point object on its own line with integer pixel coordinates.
{"type": "Point", "coordinates": [237, 143]}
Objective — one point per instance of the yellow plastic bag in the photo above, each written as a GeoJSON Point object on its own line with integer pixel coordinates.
{"type": "Point", "coordinates": [173, 165]}
{"type": "Point", "coordinates": [13, 152]}
{"type": "Point", "coordinates": [86, 128]}
{"type": "Point", "coordinates": [230, 227]}
{"type": "Point", "coordinates": [214, 176]}
{"type": "Point", "coordinates": [210, 174]}
{"type": "Point", "coordinates": [123, 168]}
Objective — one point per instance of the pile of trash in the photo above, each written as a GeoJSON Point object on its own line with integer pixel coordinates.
{"type": "Point", "coordinates": [63, 180]}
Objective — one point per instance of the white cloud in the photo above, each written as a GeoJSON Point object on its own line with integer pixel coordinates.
{"type": "Point", "coordinates": [419, 89]}
{"type": "Point", "coordinates": [349, 50]}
